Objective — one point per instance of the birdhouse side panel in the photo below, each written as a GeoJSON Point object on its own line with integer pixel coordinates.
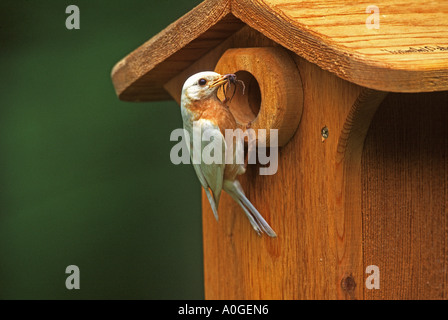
{"type": "Point", "coordinates": [405, 196]}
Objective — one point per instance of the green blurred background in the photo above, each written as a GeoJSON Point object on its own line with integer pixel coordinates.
{"type": "Point", "coordinates": [86, 179]}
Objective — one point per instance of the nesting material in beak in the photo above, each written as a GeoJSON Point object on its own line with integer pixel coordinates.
{"type": "Point", "coordinates": [220, 81]}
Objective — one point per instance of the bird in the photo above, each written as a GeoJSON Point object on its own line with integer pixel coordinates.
{"type": "Point", "coordinates": [201, 106]}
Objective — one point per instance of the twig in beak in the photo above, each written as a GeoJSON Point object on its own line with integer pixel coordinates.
{"type": "Point", "coordinates": [244, 86]}
{"type": "Point", "coordinates": [232, 80]}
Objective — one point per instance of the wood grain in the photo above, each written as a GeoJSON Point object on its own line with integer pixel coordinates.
{"type": "Point", "coordinates": [333, 35]}
{"type": "Point", "coordinates": [405, 197]}
{"type": "Point", "coordinates": [408, 53]}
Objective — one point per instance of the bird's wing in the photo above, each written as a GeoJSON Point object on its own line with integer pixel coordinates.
{"type": "Point", "coordinates": [204, 183]}
{"type": "Point", "coordinates": [213, 172]}
{"type": "Point", "coordinates": [197, 169]}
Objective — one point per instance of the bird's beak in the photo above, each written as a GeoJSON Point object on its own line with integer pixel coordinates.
{"type": "Point", "coordinates": [220, 81]}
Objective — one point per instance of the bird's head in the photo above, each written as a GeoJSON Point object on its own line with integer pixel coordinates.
{"type": "Point", "coordinates": [204, 85]}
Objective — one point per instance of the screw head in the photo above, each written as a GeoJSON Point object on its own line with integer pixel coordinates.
{"type": "Point", "coordinates": [324, 133]}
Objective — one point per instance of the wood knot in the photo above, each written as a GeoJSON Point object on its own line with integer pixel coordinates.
{"type": "Point", "coordinates": [348, 285]}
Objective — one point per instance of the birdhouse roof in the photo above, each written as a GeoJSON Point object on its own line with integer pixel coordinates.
{"type": "Point", "coordinates": [407, 53]}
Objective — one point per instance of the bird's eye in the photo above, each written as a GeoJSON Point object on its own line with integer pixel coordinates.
{"type": "Point", "coordinates": [202, 82]}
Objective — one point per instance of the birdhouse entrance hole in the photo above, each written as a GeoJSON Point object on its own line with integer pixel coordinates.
{"type": "Point", "coordinates": [245, 104]}
{"type": "Point", "coordinates": [273, 94]}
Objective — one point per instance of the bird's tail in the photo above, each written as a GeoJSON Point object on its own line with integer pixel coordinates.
{"type": "Point", "coordinates": [234, 189]}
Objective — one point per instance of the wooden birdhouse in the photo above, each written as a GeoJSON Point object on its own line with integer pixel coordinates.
{"type": "Point", "coordinates": [359, 96]}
